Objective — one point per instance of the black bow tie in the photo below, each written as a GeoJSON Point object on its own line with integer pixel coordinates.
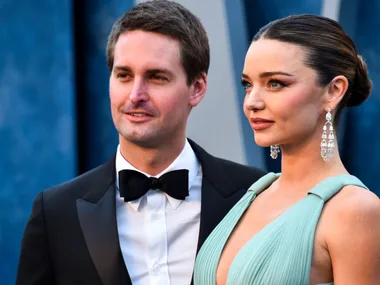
{"type": "Point", "coordinates": [133, 184]}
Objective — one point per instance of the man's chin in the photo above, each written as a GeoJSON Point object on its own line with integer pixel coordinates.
{"type": "Point", "coordinates": [143, 141]}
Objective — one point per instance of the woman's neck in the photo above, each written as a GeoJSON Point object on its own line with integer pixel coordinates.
{"type": "Point", "coordinates": [302, 167]}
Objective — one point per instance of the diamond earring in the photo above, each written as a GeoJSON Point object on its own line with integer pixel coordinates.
{"type": "Point", "coordinates": [274, 150]}
{"type": "Point", "coordinates": [328, 141]}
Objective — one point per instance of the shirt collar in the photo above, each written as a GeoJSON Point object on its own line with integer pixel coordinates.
{"type": "Point", "coordinates": [186, 160]}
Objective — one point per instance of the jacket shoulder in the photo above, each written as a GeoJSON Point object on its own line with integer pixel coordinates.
{"type": "Point", "coordinates": [243, 176]}
{"type": "Point", "coordinates": [100, 177]}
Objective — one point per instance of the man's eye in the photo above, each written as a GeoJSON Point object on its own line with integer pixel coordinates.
{"type": "Point", "coordinates": [159, 77]}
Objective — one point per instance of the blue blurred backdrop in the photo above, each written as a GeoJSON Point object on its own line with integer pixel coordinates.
{"type": "Point", "coordinates": [55, 120]}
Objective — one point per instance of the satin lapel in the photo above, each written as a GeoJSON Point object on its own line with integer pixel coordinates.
{"type": "Point", "coordinates": [219, 193]}
{"type": "Point", "coordinates": [213, 209]}
{"type": "Point", "coordinates": [98, 223]}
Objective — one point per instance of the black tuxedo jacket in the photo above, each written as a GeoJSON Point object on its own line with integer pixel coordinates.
{"type": "Point", "coordinates": [71, 236]}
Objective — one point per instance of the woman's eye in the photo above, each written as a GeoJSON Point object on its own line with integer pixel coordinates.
{"type": "Point", "coordinates": [276, 84]}
{"type": "Point", "coordinates": [246, 84]}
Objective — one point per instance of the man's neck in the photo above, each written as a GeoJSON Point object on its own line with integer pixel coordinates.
{"type": "Point", "coordinates": [152, 160]}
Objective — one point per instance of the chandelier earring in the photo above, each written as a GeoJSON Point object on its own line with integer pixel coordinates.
{"type": "Point", "coordinates": [274, 150]}
{"type": "Point", "coordinates": [328, 140]}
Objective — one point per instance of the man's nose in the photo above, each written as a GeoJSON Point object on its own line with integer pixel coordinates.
{"type": "Point", "coordinates": [138, 91]}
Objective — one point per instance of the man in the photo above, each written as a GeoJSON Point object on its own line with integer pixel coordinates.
{"type": "Point", "coordinates": [114, 225]}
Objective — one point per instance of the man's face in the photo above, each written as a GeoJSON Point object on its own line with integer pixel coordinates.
{"type": "Point", "coordinates": [150, 99]}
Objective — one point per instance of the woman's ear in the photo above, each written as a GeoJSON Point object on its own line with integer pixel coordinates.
{"type": "Point", "coordinates": [335, 92]}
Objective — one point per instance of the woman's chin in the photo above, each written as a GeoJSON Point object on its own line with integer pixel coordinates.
{"type": "Point", "coordinates": [264, 143]}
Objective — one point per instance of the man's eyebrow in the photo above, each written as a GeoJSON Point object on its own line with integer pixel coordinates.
{"type": "Point", "coordinates": [159, 70]}
{"type": "Point", "coordinates": [121, 68]}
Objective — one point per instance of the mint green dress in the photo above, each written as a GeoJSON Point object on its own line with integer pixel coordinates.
{"type": "Point", "coordinates": [280, 253]}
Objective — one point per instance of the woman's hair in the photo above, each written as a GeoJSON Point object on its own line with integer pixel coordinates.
{"type": "Point", "coordinates": [329, 51]}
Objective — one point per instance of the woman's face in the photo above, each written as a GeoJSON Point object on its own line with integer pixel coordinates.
{"type": "Point", "coordinates": [283, 101]}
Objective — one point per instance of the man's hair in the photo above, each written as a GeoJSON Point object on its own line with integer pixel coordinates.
{"type": "Point", "coordinates": [171, 19]}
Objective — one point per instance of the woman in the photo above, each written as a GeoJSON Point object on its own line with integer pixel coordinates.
{"type": "Point", "coordinates": [313, 223]}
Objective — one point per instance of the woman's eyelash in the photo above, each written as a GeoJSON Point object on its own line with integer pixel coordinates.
{"type": "Point", "coordinates": [245, 84]}
{"type": "Point", "coordinates": [274, 80]}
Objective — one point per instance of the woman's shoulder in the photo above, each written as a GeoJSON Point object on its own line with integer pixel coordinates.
{"type": "Point", "coordinates": [350, 230]}
{"type": "Point", "coordinates": [353, 212]}
{"type": "Point", "coordinates": [352, 200]}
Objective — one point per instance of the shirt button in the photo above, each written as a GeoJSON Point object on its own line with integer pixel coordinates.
{"type": "Point", "coordinates": [156, 268]}
{"type": "Point", "coordinates": [155, 217]}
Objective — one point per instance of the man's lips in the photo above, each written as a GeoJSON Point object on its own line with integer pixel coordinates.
{"type": "Point", "coordinates": [138, 116]}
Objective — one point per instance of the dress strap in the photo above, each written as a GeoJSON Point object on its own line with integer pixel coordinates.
{"type": "Point", "coordinates": [332, 185]}
{"type": "Point", "coordinates": [263, 183]}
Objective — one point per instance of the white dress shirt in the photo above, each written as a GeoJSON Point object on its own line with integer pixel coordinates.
{"type": "Point", "coordinates": [159, 234]}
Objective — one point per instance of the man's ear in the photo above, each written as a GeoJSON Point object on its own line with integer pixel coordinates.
{"type": "Point", "coordinates": [199, 87]}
